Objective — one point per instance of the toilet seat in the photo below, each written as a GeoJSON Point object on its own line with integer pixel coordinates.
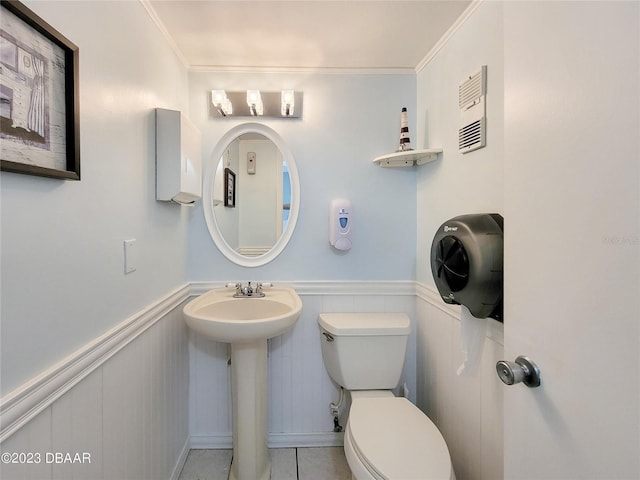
{"type": "Point", "coordinates": [394, 440]}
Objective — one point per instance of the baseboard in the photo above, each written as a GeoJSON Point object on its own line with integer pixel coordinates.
{"type": "Point", "coordinates": [184, 453]}
{"type": "Point", "coordinates": [222, 441]}
{"type": "Point", "coordinates": [276, 440]}
{"type": "Point", "coordinates": [289, 440]}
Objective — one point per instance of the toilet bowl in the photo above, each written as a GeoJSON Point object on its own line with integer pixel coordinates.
{"type": "Point", "coordinates": [386, 437]}
{"type": "Point", "coordinates": [389, 438]}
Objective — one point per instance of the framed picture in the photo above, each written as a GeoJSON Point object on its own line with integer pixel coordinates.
{"type": "Point", "coordinates": [229, 188]}
{"type": "Point", "coordinates": [39, 113]}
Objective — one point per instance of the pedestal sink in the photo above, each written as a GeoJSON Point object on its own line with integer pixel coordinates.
{"type": "Point", "coordinates": [246, 323]}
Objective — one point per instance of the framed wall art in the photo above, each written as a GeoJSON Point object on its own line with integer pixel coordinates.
{"type": "Point", "coordinates": [39, 111]}
{"type": "Point", "coordinates": [229, 188]}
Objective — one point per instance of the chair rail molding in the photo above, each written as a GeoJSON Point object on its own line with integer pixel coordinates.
{"type": "Point", "coordinates": [327, 287]}
{"type": "Point", "coordinates": [24, 403]}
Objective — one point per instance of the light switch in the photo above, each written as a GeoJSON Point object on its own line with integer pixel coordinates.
{"type": "Point", "coordinates": [130, 255]}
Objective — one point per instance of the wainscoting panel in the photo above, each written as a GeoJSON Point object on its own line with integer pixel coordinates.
{"type": "Point", "coordinates": [126, 418]}
{"type": "Point", "coordinates": [467, 409]}
{"type": "Point", "coordinates": [132, 402]}
{"type": "Point", "coordinates": [77, 426]}
{"type": "Point", "coordinates": [300, 389]}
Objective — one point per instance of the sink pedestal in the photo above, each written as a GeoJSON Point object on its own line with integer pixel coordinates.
{"type": "Point", "coordinates": [246, 323]}
{"type": "Point", "coordinates": [249, 391]}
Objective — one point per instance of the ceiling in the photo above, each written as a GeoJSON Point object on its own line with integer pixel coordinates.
{"type": "Point", "coordinates": [299, 34]}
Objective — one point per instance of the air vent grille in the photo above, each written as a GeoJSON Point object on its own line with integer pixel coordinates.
{"type": "Point", "coordinates": [472, 89]}
{"type": "Point", "coordinates": [471, 99]}
{"type": "Point", "coordinates": [472, 136]}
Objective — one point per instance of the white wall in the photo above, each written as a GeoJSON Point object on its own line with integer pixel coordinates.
{"type": "Point", "coordinates": [260, 204]}
{"type": "Point", "coordinates": [227, 218]}
{"type": "Point", "coordinates": [460, 183]}
{"type": "Point", "coordinates": [563, 166]}
{"type": "Point", "coordinates": [63, 281]}
{"type": "Point", "coordinates": [82, 369]}
{"type": "Point", "coordinates": [347, 121]}
{"type": "Point", "coordinates": [467, 409]}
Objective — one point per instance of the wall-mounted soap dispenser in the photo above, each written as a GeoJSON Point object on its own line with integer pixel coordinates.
{"type": "Point", "coordinates": [178, 158]}
{"type": "Point", "coordinates": [340, 223]}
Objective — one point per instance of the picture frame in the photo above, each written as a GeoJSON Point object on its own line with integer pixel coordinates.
{"type": "Point", "coordinates": [39, 96]}
{"type": "Point", "coordinates": [229, 188]}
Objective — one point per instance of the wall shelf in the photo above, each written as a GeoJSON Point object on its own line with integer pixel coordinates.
{"type": "Point", "coordinates": [408, 158]}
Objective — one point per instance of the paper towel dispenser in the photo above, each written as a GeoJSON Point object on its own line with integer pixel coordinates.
{"type": "Point", "coordinates": [466, 263]}
{"type": "Point", "coordinates": [178, 158]}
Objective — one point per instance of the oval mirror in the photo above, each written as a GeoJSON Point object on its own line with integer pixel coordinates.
{"type": "Point", "coordinates": [251, 195]}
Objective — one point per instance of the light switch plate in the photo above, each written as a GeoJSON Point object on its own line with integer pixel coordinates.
{"type": "Point", "coordinates": [130, 256]}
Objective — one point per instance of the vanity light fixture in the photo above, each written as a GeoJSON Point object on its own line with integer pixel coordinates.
{"type": "Point", "coordinates": [252, 103]}
{"type": "Point", "coordinates": [221, 102]}
{"type": "Point", "coordinates": [288, 102]}
{"type": "Point", "coordinates": [254, 100]}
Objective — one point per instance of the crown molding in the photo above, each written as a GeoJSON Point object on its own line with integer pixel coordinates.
{"type": "Point", "coordinates": [464, 16]}
{"type": "Point", "coordinates": [302, 70]}
{"type": "Point", "coordinates": [165, 33]}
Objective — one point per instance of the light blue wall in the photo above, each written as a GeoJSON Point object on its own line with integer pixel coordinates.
{"type": "Point", "coordinates": [63, 281]}
{"type": "Point", "coordinates": [348, 120]}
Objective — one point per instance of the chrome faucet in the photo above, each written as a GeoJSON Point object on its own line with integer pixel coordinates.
{"type": "Point", "coordinates": [247, 291]}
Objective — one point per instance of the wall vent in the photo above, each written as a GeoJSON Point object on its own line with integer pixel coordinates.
{"type": "Point", "coordinates": [471, 99]}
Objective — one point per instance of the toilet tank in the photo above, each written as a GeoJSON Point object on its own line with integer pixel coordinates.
{"type": "Point", "coordinates": [364, 351]}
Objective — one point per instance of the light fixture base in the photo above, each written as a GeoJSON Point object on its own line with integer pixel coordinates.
{"type": "Point", "coordinates": [272, 103]}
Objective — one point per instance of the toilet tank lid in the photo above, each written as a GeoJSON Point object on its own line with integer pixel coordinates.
{"type": "Point", "coordinates": [362, 324]}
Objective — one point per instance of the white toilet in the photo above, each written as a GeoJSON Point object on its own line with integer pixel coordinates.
{"type": "Point", "coordinates": [386, 437]}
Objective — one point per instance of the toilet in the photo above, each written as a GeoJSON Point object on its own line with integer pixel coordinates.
{"type": "Point", "coordinates": [386, 437]}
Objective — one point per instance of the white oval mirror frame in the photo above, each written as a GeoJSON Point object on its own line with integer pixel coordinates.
{"type": "Point", "coordinates": [207, 198]}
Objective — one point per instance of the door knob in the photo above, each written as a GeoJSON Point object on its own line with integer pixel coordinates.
{"type": "Point", "coordinates": [522, 370]}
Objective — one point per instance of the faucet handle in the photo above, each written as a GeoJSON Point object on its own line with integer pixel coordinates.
{"type": "Point", "coordinates": [260, 285]}
{"type": "Point", "coordinates": [237, 286]}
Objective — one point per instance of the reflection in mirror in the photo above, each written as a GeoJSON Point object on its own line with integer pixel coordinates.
{"type": "Point", "coordinates": [251, 195]}
{"type": "Point", "coordinates": [255, 221]}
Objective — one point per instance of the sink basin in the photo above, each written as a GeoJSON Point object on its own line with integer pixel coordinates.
{"type": "Point", "coordinates": [221, 317]}
{"type": "Point", "coordinates": [246, 323]}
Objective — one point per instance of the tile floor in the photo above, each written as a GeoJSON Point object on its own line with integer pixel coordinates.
{"type": "Point", "coordinates": [318, 463]}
